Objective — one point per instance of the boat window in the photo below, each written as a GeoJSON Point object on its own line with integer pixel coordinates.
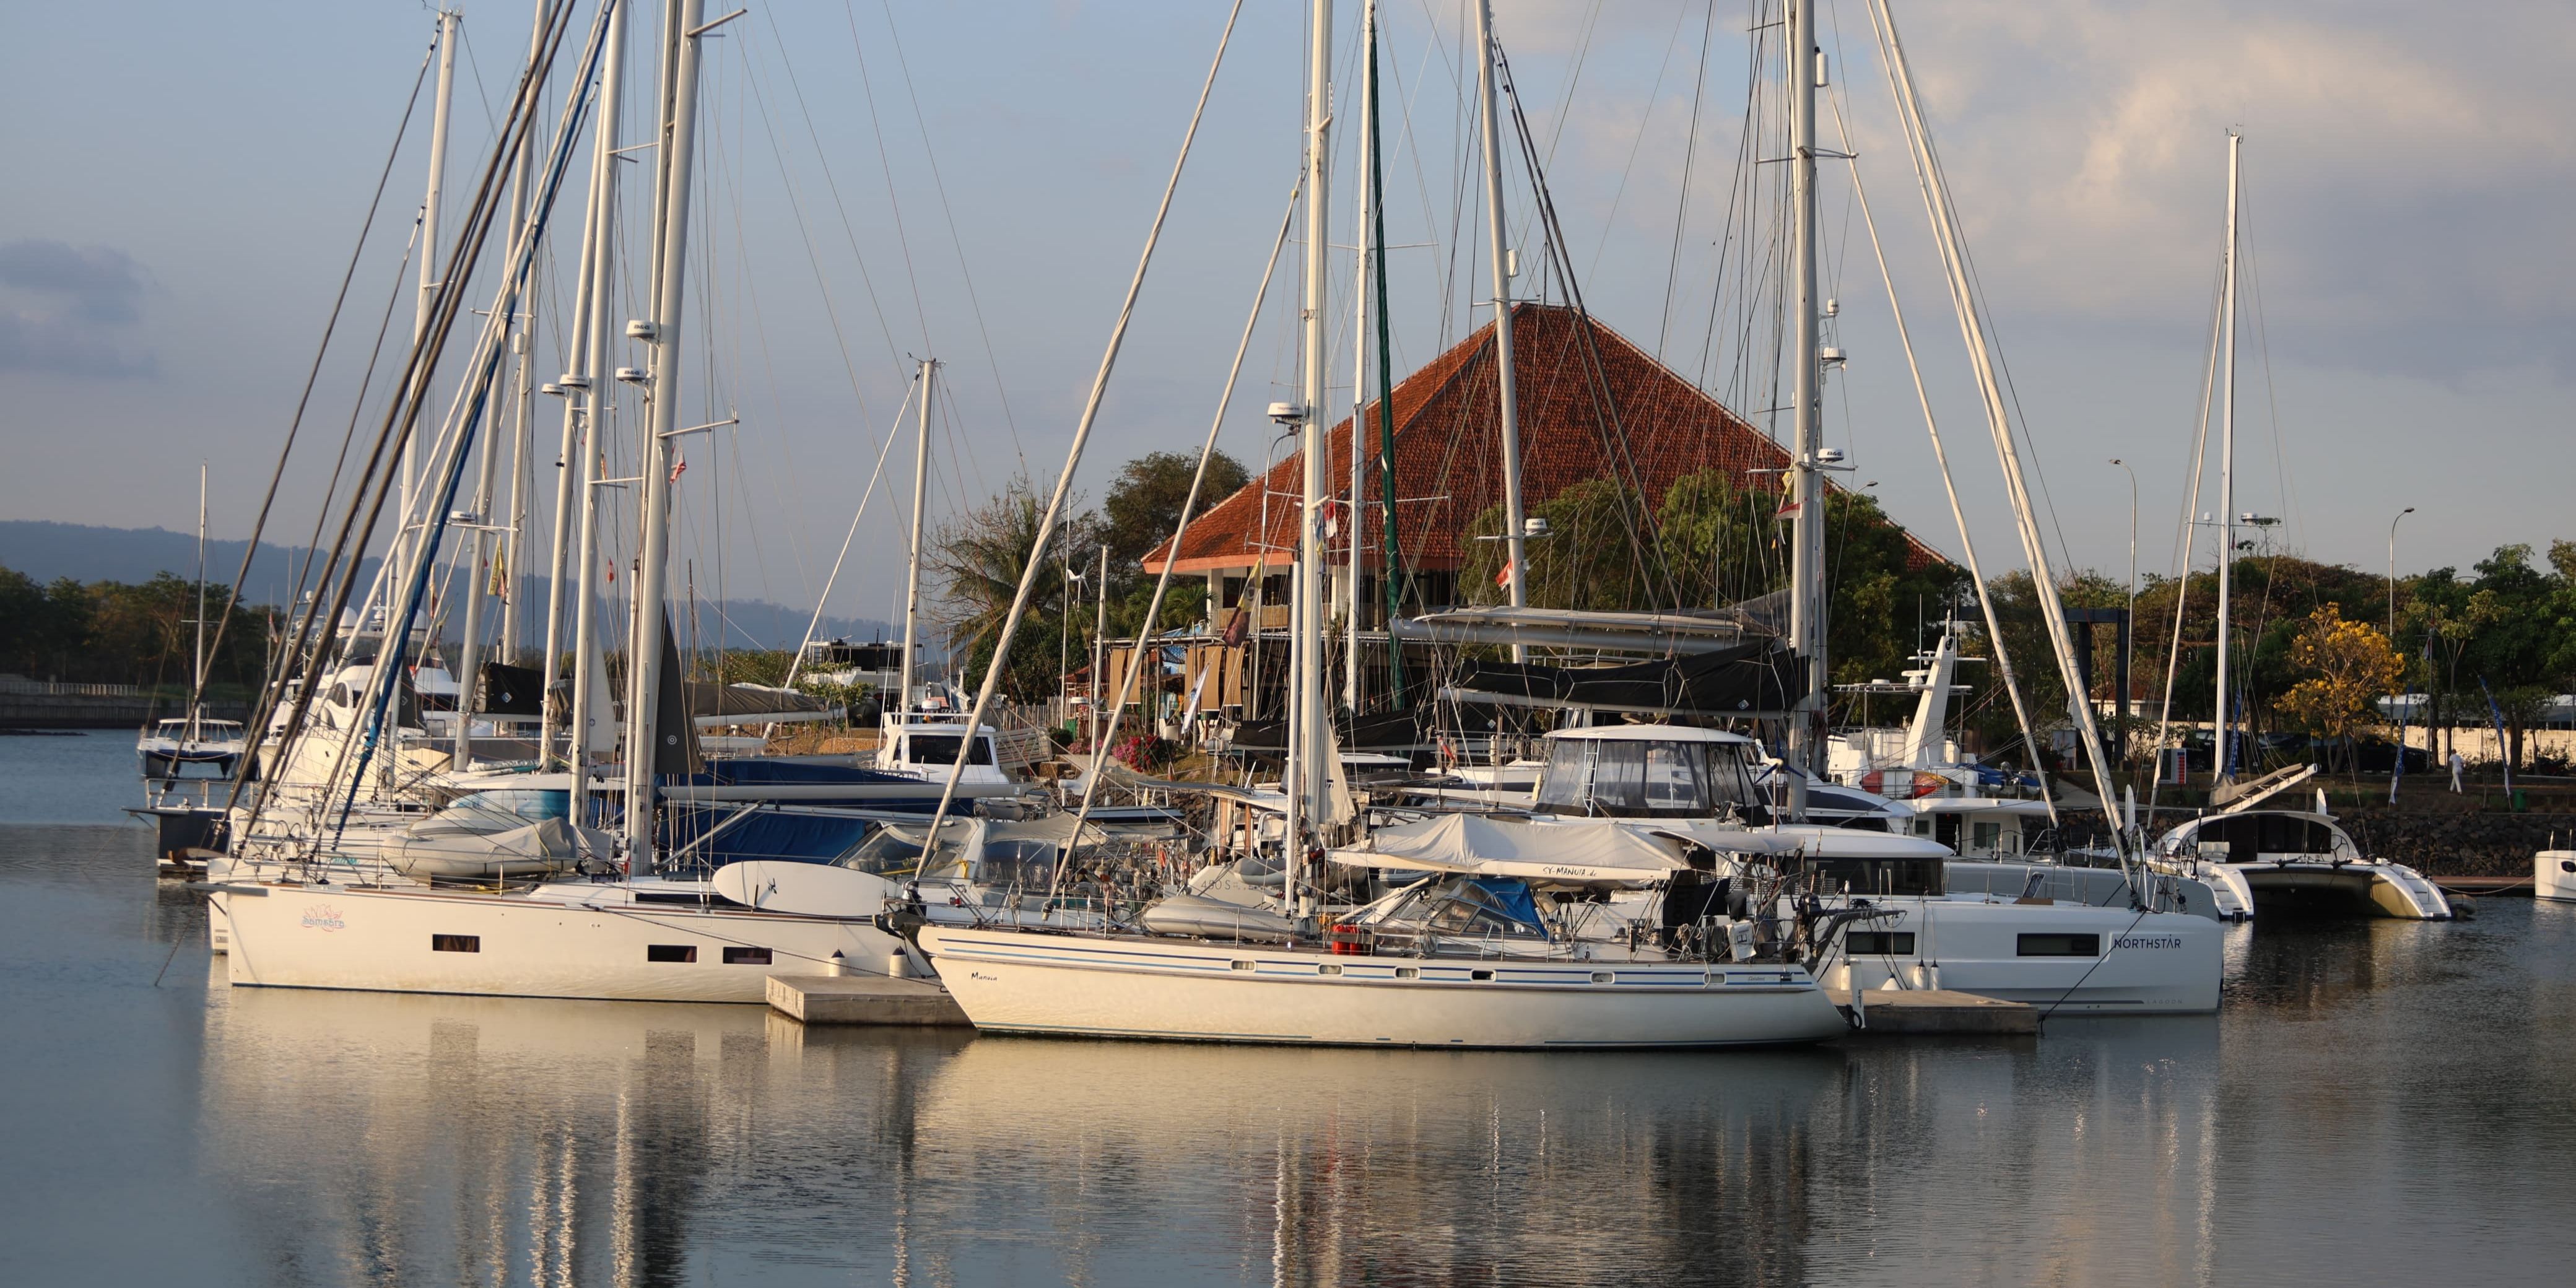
{"type": "Point", "coordinates": [2289, 834]}
{"type": "Point", "coordinates": [941, 749]}
{"type": "Point", "coordinates": [1028, 864]}
{"type": "Point", "coordinates": [885, 852]}
{"type": "Point", "coordinates": [1472, 909]}
{"type": "Point", "coordinates": [670, 952]}
{"type": "Point", "coordinates": [746, 956]}
{"type": "Point", "coordinates": [1881, 943]}
{"type": "Point", "coordinates": [1877, 876]}
{"type": "Point", "coordinates": [1672, 777]}
{"type": "Point", "coordinates": [456, 943]}
{"type": "Point", "coordinates": [1982, 836]}
{"type": "Point", "coordinates": [2060, 945]}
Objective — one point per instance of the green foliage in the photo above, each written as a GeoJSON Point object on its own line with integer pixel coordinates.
{"type": "Point", "coordinates": [1144, 505]}
{"type": "Point", "coordinates": [114, 633]}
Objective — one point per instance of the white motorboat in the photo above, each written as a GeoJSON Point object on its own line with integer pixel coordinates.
{"type": "Point", "coordinates": [2074, 938]}
{"type": "Point", "coordinates": [167, 746]}
{"type": "Point", "coordinates": [2553, 875]}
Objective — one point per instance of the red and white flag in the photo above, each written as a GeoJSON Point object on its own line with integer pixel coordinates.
{"type": "Point", "coordinates": [679, 466]}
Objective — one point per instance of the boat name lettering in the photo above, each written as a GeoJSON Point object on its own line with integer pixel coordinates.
{"type": "Point", "coordinates": [323, 916]}
{"type": "Point", "coordinates": [2148, 941]}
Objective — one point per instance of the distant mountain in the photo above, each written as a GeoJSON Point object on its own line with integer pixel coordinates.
{"type": "Point", "coordinates": [48, 551]}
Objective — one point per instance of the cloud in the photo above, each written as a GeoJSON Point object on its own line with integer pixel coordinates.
{"type": "Point", "coordinates": [67, 310]}
{"type": "Point", "coordinates": [2401, 184]}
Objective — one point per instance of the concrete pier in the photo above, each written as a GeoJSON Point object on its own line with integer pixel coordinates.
{"type": "Point", "coordinates": [1937, 1012]}
{"type": "Point", "coordinates": [864, 999]}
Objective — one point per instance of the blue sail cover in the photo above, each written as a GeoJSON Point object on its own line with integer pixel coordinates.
{"type": "Point", "coordinates": [1513, 895]}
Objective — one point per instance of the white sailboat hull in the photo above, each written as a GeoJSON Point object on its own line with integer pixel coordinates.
{"type": "Point", "coordinates": [2157, 963]}
{"type": "Point", "coordinates": [284, 935]}
{"type": "Point", "coordinates": [1191, 990]}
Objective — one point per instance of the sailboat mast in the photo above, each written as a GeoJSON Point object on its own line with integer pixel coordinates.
{"type": "Point", "coordinates": [571, 461]}
{"type": "Point", "coordinates": [1352, 687]}
{"type": "Point", "coordinates": [1309, 776]}
{"type": "Point", "coordinates": [1506, 388]}
{"type": "Point", "coordinates": [594, 396]}
{"type": "Point", "coordinates": [197, 691]}
{"type": "Point", "coordinates": [1806, 481]}
{"type": "Point", "coordinates": [478, 568]}
{"type": "Point", "coordinates": [2226, 767]}
{"type": "Point", "coordinates": [912, 574]}
{"type": "Point", "coordinates": [448, 21]}
{"type": "Point", "coordinates": [679, 137]}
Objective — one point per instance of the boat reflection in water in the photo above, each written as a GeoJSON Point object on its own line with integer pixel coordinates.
{"type": "Point", "coordinates": [398, 1138]}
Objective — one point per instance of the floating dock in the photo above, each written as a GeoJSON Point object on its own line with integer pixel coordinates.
{"type": "Point", "coordinates": [865, 999]}
{"type": "Point", "coordinates": [1938, 1012]}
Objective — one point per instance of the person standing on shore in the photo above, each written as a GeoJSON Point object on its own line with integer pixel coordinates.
{"type": "Point", "coordinates": [2459, 763]}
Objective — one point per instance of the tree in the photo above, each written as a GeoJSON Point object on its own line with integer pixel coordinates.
{"type": "Point", "coordinates": [975, 564]}
{"type": "Point", "coordinates": [1144, 504]}
{"type": "Point", "coordinates": [2350, 665]}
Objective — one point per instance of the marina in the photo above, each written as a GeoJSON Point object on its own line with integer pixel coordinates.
{"type": "Point", "coordinates": [744, 749]}
{"type": "Point", "coordinates": [308, 1136]}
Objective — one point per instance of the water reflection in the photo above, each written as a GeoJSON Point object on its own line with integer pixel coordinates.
{"type": "Point", "coordinates": [2365, 1084]}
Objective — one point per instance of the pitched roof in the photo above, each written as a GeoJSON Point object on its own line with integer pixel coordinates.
{"type": "Point", "coordinates": [1639, 422]}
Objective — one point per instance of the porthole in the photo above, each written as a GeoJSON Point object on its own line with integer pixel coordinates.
{"type": "Point", "coordinates": [670, 952]}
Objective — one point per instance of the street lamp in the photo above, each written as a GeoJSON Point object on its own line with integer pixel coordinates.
{"type": "Point", "coordinates": [2392, 575]}
{"type": "Point", "coordinates": [2128, 623]}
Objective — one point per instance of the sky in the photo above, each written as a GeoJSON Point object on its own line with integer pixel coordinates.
{"type": "Point", "coordinates": [882, 181]}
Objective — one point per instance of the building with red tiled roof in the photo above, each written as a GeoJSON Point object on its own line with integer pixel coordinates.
{"type": "Point", "coordinates": [1635, 421]}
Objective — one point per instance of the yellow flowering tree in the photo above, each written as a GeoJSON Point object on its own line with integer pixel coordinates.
{"type": "Point", "coordinates": [2349, 664]}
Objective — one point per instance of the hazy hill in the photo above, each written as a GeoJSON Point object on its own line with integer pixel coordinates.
{"type": "Point", "coordinates": [47, 551]}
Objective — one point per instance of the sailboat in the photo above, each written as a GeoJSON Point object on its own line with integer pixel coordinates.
{"type": "Point", "coordinates": [2287, 861]}
{"type": "Point", "coordinates": [629, 924]}
{"type": "Point", "coordinates": [166, 746]}
{"type": "Point", "coordinates": [1502, 941]}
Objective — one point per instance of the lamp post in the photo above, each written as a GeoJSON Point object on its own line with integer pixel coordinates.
{"type": "Point", "coordinates": [2128, 620]}
{"type": "Point", "coordinates": [2392, 574]}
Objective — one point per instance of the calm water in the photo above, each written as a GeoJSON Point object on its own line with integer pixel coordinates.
{"type": "Point", "coordinates": [2378, 1103]}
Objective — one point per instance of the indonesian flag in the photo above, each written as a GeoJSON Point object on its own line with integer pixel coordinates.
{"type": "Point", "coordinates": [1788, 510]}
{"type": "Point", "coordinates": [1504, 578]}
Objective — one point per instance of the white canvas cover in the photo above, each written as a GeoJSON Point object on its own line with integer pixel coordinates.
{"type": "Point", "coordinates": [1591, 851]}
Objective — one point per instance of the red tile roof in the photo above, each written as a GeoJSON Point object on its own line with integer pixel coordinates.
{"type": "Point", "coordinates": [1655, 426]}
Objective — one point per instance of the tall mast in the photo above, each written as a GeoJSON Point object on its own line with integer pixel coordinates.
{"type": "Point", "coordinates": [1310, 780]}
{"type": "Point", "coordinates": [448, 22]}
{"type": "Point", "coordinates": [912, 573]}
{"type": "Point", "coordinates": [470, 656]}
{"type": "Point", "coordinates": [197, 692]}
{"type": "Point", "coordinates": [571, 459]}
{"type": "Point", "coordinates": [2226, 768]}
{"type": "Point", "coordinates": [1506, 386]}
{"type": "Point", "coordinates": [592, 396]}
{"type": "Point", "coordinates": [1806, 482]}
{"type": "Point", "coordinates": [1351, 685]}
{"type": "Point", "coordinates": [679, 138]}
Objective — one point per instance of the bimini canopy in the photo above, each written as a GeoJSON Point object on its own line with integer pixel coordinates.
{"type": "Point", "coordinates": [1742, 681]}
{"type": "Point", "coordinates": [1573, 852]}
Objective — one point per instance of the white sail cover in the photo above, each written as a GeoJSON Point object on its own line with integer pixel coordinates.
{"type": "Point", "coordinates": [1589, 851]}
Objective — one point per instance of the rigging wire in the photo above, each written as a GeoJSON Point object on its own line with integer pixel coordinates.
{"type": "Point", "coordinates": [2185, 539]}
{"type": "Point", "coordinates": [1949, 485]}
{"type": "Point", "coordinates": [1082, 432]}
{"type": "Point", "coordinates": [312, 374]}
